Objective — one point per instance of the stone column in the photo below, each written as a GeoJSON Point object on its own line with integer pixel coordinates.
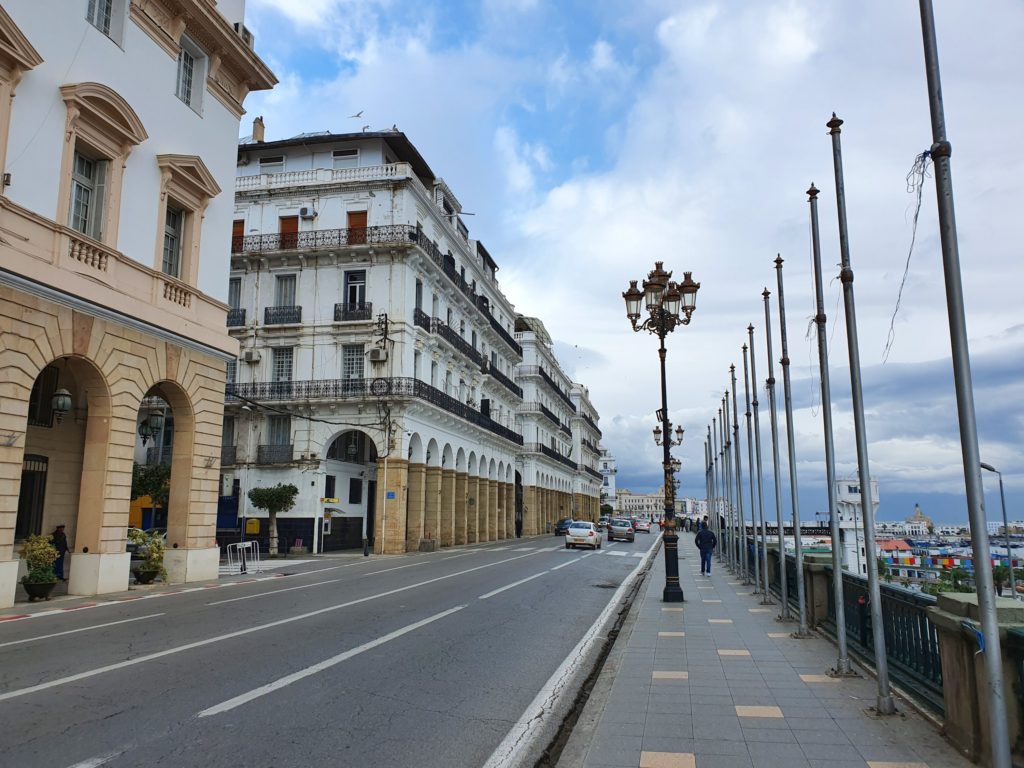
{"type": "Point", "coordinates": [414, 507]}
{"type": "Point", "coordinates": [483, 504]}
{"type": "Point", "coordinates": [432, 505]}
{"type": "Point", "coordinates": [390, 516]}
{"type": "Point", "coordinates": [492, 511]}
{"type": "Point", "coordinates": [510, 509]}
{"type": "Point", "coordinates": [473, 509]}
{"type": "Point", "coordinates": [499, 492]}
{"type": "Point", "coordinates": [531, 526]}
{"type": "Point", "coordinates": [447, 507]}
{"type": "Point", "coordinates": [461, 510]}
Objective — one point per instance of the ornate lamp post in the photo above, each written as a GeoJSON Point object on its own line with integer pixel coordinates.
{"type": "Point", "coordinates": [669, 304]}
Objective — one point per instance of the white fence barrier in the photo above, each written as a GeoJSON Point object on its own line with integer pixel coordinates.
{"type": "Point", "coordinates": [244, 557]}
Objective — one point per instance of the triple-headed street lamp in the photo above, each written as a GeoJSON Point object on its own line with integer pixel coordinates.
{"type": "Point", "coordinates": [669, 304]}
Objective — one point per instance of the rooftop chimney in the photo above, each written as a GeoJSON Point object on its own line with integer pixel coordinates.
{"type": "Point", "coordinates": [258, 130]}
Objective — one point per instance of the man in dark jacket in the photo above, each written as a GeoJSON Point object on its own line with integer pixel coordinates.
{"type": "Point", "coordinates": [706, 543]}
{"type": "Point", "coordinates": [60, 543]}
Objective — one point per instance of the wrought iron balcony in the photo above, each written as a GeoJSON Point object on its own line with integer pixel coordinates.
{"type": "Point", "coordinates": [228, 455]}
{"type": "Point", "coordinates": [236, 317]}
{"type": "Point", "coordinates": [422, 319]}
{"type": "Point", "coordinates": [360, 310]}
{"type": "Point", "coordinates": [593, 473]}
{"type": "Point", "coordinates": [549, 452]}
{"type": "Point", "coordinates": [342, 389]}
{"type": "Point", "coordinates": [443, 330]}
{"type": "Point", "coordinates": [505, 336]}
{"type": "Point", "coordinates": [274, 454]}
{"type": "Point", "coordinates": [323, 238]}
{"type": "Point", "coordinates": [504, 380]}
{"type": "Point", "coordinates": [550, 414]}
{"type": "Point", "coordinates": [282, 315]}
{"type": "Point", "coordinates": [591, 422]}
{"type": "Point", "coordinates": [536, 370]}
{"type": "Point", "coordinates": [563, 428]}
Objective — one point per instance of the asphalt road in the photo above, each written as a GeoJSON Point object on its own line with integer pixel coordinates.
{"type": "Point", "coordinates": [416, 660]}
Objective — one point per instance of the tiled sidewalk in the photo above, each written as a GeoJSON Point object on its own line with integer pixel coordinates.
{"type": "Point", "coordinates": [717, 682]}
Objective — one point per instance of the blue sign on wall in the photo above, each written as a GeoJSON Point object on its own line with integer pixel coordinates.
{"type": "Point", "coordinates": [389, 495]}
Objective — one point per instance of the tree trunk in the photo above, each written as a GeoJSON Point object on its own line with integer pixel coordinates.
{"type": "Point", "coordinates": [273, 533]}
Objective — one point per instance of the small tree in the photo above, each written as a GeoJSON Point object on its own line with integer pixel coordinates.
{"type": "Point", "coordinates": [280, 498]}
{"type": "Point", "coordinates": [1000, 576]}
{"type": "Point", "coordinates": [606, 509]}
{"type": "Point", "coordinates": [153, 480]}
{"type": "Point", "coordinates": [883, 570]}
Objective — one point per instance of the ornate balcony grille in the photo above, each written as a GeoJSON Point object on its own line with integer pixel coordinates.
{"type": "Point", "coordinates": [422, 319]}
{"type": "Point", "coordinates": [593, 473]}
{"type": "Point", "coordinates": [592, 423]}
{"type": "Point", "coordinates": [550, 414]}
{"type": "Point", "coordinates": [274, 454]}
{"type": "Point", "coordinates": [360, 310]}
{"type": "Point", "coordinates": [228, 455]}
{"type": "Point", "coordinates": [282, 315]}
{"type": "Point", "coordinates": [550, 452]}
{"type": "Point", "coordinates": [323, 238]}
{"type": "Point", "coordinates": [443, 330]}
{"type": "Point", "coordinates": [236, 317]}
{"type": "Point", "coordinates": [504, 380]}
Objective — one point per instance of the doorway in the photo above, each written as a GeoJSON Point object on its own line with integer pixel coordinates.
{"type": "Point", "coordinates": [32, 496]}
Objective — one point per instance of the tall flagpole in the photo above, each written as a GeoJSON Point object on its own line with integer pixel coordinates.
{"type": "Point", "coordinates": [767, 598]}
{"type": "Point", "coordinates": [785, 615]}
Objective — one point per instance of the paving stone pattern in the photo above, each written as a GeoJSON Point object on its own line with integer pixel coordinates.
{"type": "Point", "coordinates": [721, 684]}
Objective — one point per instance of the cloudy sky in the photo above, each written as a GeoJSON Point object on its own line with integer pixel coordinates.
{"type": "Point", "coordinates": [591, 137]}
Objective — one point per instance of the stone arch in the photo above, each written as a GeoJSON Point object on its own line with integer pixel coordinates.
{"type": "Point", "coordinates": [433, 455]}
{"type": "Point", "coordinates": [447, 457]}
{"type": "Point", "coordinates": [471, 463]}
{"type": "Point", "coordinates": [460, 461]}
{"type": "Point", "coordinates": [370, 451]}
{"type": "Point", "coordinates": [417, 452]}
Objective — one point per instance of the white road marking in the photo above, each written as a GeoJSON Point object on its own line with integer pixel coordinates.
{"type": "Point", "coordinates": [96, 762]}
{"type": "Point", "coordinates": [275, 592]}
{"type": "Point", "coordinates": [263, 690]}
{"type": "Point", "coordinates": [513, 584]}
{"type": "Point", "coordinates": [513, 746]}
{"type": "Point", "coordinates": [80, 629]}
{"type": "Point", "coordinates": [618, 554]}
{"type": "Point", "coordinates": [241, 632]}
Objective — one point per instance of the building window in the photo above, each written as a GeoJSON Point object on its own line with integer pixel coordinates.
{"type": "Point", "coordinates": [235, 292]}
{"type": "Point", "coordinates": [329, 486]}
{"type": "Point", "coordinates": [227, 435]}
{"type": "Point", "coordinates": [231, 373]}
{"type": "Point", "coordinates": [88, 182]}
{"type": "Point", "coordinates": [355, 491]}
{"type": "Point", "coordinates": [352, 358]}
{"type": "Point", "coordinates": [283, 360]}
{"type": "Point", "coordinates": [173, 227]}
{"type": "Point", "coordinates": [40, 412]}
{"type": "Point", "coordinates": [416, 360]}
{"type": "Point", "coordinates": [191, 74]}
{"type": "Point", "coordinates": [419, 294]}
{"type": "Point", "coordinates": [346, 158]}
{"type": "Point", "coordinates": [274, 164]}
{"type": "Point", "coordinates": [279, 430]}
{"type": "Point", "coordinates": [284, 291]}
{"type": "Point", "coordinates": [355, 287]}
{"type": "Point", "coordinates": [100, 14]}
{"type": "Point", "coordinates": [433, 374]}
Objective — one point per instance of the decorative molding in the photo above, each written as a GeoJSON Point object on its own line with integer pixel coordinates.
{"type": "Point", "coordinates": [17, 55]}
{"type": "Point", "coordinates": [115, 125]}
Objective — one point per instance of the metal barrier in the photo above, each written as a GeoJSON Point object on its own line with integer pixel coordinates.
{"type": "Point", "coordinates": [244, 556]}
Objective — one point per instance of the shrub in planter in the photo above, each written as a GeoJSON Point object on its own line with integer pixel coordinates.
{"type": "Point", "coordinates": [40, 555]}
{"type": "Point", "coordinates": [151, 546]}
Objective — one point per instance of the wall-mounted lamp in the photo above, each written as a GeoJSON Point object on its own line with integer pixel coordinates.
{"type": "Point", "coordinates": [60, 404]}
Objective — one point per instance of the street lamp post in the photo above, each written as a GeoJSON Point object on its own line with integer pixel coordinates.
{"type": "Point", "coordinates": [669, 304]}
{"type": "Point", "coordinates": [1006, 528]}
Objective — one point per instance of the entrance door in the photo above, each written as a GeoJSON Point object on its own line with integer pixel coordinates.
{"type": "Point", "coordinates": [356, 227]}
{"type": "Point", "coordinates": [31, 497]}
{"type": "Point", "coordinates": [288, 227]}
{"type": "Point", "coordinates": [237, 235]}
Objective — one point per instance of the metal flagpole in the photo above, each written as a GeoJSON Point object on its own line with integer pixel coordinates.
{"type": "Point", "coordinates": [843, 661]}
{"type": "Point", "coordinates": [794, 496]}
{"type": "Point", "coordinates": [767, 599]}
{"type": "Point", "coordinates": [714, 490]}
{"type": "Point", "coordinates": [727, 465]}
{"type": "Point", "coordinates": [745, 559]}
{"type": "Point", "coordinates": [885, 705]}
{"type": "Point", "coordinates": [750, 475]}
{"type": "Point", "coordinates": [715, 521]}
{"type": "Point", "coordinates": [940, 152]}
{"type": "Point", "coordinates": [785, 615]}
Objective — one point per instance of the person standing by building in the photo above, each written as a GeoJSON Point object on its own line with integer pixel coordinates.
{"type": "Point", "coordinates": [60, 543]}
{"type": "Point", "coordinates": [706, 543]}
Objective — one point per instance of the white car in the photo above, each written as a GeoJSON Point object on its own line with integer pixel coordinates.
{"type": "Point", "coordinates": [582, 533]}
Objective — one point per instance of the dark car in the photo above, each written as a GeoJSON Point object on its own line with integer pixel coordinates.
{"type": "Point", "coordinates": [620, 528]}
{"type": "Point", "coordinates": [562, 526]}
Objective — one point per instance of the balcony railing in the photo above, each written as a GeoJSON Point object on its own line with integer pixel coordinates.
{"type": "Point", "coordinates": [504, 380]}
{"type": "Point", "coordinates": [360, 310]}
{"type": "Point", "coordinates": [341, 389]}
{"type": "Point", "coordinates": [445, 331]}
{"type": "Point", "coordinates": [158, 455]}
{"type": "Point", "coordinates": [536, 370]}
{"type": "Point", "coordinates": [505, 336]}
{"type": "Point", "coordinates": [592, 423]}
{"type": "Point", "coordinates": [549, 452]}
{"type": "Point", "coordinates": [322, 238]}
{"type": "Point", "coordinates": [593, 473]}
{"type": "Point", "coordinates": [589, 445]}
{"type": "Point", "coordinates": [228, 455]}
{"type": "Point", "coordinates": [324, 176]}
{"type": "Point", "coordinates": [550, 414]}
{"type": "Point", "coordinates": [236, 317]}
{"type": "Point", "coordinates": [282, 315]}
{"type": "Point", "coordinates": [274, 454]}
{"type": "Point", "coordinates": [565, 430]}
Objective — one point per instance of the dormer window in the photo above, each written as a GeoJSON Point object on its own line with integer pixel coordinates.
{"type": "Point", "coordinates": [346, 158]}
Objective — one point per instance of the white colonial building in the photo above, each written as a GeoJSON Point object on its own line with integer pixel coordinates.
{"type": "Point", "coordinates": [609, 471]}
{"type": "Point", "coordinates": [118, 124]}
{"type": "Point", "coordinates": [377, 352]}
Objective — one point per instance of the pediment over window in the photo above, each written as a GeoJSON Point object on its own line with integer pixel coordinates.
{"type": "Point", "coordinates": [188, 178]}
{"type": "Point", "coordinates": [112, 120]}
{"type": "Point", "coordinates": [17, 55]}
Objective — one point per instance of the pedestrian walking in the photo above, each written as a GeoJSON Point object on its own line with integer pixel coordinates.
{"type": "Point", "coordinates": [60, 543]}
{"type": "Point", "coordinates": [706, 543]}
{"type": "Point", "coordinates": [519, 527]}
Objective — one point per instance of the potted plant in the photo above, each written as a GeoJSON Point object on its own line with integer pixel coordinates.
{"type": "Point", "coordinates": [40, 555]}
{"type": "Point", "coordinates": [150, 546]}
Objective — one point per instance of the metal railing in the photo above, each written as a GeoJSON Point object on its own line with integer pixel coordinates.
{"type": "Point", "coordinates": [236, 317]}
{"type": "Point", "coordinates": [592, 423]}
{"type": "Point", "coordinates": [564, 430]}
{"type": "Point", "coordinates": [340, 389]}
{"type": "Point", "coordinates": [422, 319]}
{"type": "Point", "coordinates": [274, 454]}
{"type": "Point", "coordinates": [445, 331]}
{"type": "Point", "coordinates": [550, 452]}
{"type": "Point", "coordinates": [536, 370]}
{"type": "Point", "coordinates": [505, 335]}
{"type": "Point", "coordinates": [593, 473]}
{"type": "Point", "coordinates": [228, 454]}
{"type": "Point", "coordinates": [550, 414]}
{"type": "Point", "coordinates": [282, 315]}
{"type": "Point", "coordinates": [504, 380]}
{"type": "Point", "coordinates": [359, 310]}
{"type": "Point", "coordinates": [322, 238]}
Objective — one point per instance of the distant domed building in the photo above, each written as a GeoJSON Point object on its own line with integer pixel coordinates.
{"type": "Point", "coordinates": [919, 524]}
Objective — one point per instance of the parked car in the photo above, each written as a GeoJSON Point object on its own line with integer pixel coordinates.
{"type": "Point", "coordinates": [642, 526]}
{"type": "Point", "coordinates": [562, 526]}
{"type": "Point", "coordinates": [582, 533]}
{"type": "Point", "coordinates": [620, 528]}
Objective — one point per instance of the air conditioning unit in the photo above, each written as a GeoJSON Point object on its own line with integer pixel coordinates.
{"type": "Point", "coordinates": [307, 213]}
{"type": "Point", "coordinates": [251, 356]}
{"type": "Point", "coordinates": [244, 33]}
{"type": "Point", "coordinates": [378, 355]}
